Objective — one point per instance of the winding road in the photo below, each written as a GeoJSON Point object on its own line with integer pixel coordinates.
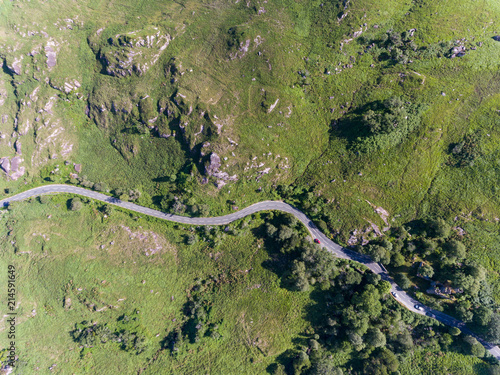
{"type": "Point", "coordinates": [401, 296]}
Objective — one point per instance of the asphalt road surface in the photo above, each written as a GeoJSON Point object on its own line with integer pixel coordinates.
{"type": "Point", "coordinates": [401, 296]}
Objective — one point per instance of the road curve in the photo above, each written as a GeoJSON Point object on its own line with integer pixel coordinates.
{"type": "Point", "coordinates": [402, 297]}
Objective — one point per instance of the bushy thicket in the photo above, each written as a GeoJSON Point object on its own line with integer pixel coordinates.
{"type": "Point", "coordinates": [128, 333]}
{"type": "Point", "coordinates": [388, 124]}
{"type": "Point", "coordinates": [465, 152]}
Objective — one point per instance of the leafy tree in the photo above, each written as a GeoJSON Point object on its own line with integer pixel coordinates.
{"type": "Point", "coordinates": [373, 278]}
{"type": "Point", "coordinates": [411, 247]}
{"type": "Point", "coordinates": [324, 366]}
{"type": "Point", "coordinates": [374, 337]}
{"type": "Point", "coordinates": [300, 276]}
{"type": "Point", "coordinates": [381, 362]}
{"type": "Point", "coordinates": [278, 369]}
{"type": "Point", "coordinates": [397, 260]}
{"type": "Point", "coordinates": [475, 348]}
{"type": "Point", "coordinates": [165, 203]}
{"type": "Point", "coordinates": [357, 321]}
{"type": "Point", "coordinates": [462, 309]}
{"type": "Point", "coordinates": [493, 333]}
{"type": "Point", "coordinates": [426, 270]}
{"type": "Point", "coordinates": [356, 340]}
{"type": "Point", "coordinates": [455, 331]}
{"type": "Point", "coordinates": [493, 370]}
{"type": "Point", "coordinates": [378, 253]}
{"type": "Point", "coordinates": [402, 280]}
{"type": "Point", "coordinates": [44, 199]}
{"type": "Point", "coordinates": [466, 152]}
{"type": "Point", "coordinates": [427, 246]}
{"type": "Point", "coordinates": [482, 315]}
{"type": "Point", "coordinates": [404, 340]}
{"type": "Point", "coordinates": [352, 277]}
{"type": "Point", "coordinates": [285, 233]}
{"type": "Point", "coordinates": [388, 125]}
{"type": "Point", "coordinates": [100, 186]}
{"type": "Point", "coordinates": [455, 249]}
{"type": "Point", "coordinates": [191, 239]}
{"type": "Point", "coordinates": [368, 301]}
{"type": "Point", "coordinates": [384, 287]}
{"type": "Point", "coordinates": [468, 283]}
{"type": "Point", "coordinates": [75, 204]}
{"type": "Point", "coordinates": [271, 230]}
{"type": "Point", "coordinates": [124, 197]}
{"type": "Point", "coordinates": [446, 340]}
{"type": "Point", "coordinates": [204, 210]}
{"type": "Point", "coordinates": [301, 362]}
{"type": "Point", "coordinates": [439, 228]}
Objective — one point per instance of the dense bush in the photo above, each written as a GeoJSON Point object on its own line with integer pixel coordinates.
{"type": "Point", "coordinates": [388, 124]}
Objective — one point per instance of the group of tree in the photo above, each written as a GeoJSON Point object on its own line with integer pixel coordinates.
{"type": "Point", "coordinates": [357, 312]}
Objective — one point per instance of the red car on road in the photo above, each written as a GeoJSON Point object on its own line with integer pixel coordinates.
{"type": "Point", "coordinates": [317, 241]}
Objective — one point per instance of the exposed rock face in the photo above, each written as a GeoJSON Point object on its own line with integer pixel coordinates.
{"type": "Point", "coordinates": [458, 51]}
{"type": "Point", "coordinates": [51, 54]}
{"type": "Point", "coordinates": [212, 169]}
{"type": "Point", "coordinates": [5, 165]}
{"type": "Point", "coordinates": [15, 65]}
{"type": "Point", "coordinates": [3, 93]}
{"type": "Point", "coordinates": [214, 164]}
{"type": "Point", "coordinates": [12, 167]}
{"type": "Point", "coordinates": [134, 52]}
{"type": "Point", "coordinates": [17, 145]}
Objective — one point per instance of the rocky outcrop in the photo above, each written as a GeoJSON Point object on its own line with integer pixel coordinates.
{"type": "Point", "coordinates": [212, 170]}
{"type": "Point", "coordinates": [17, 146]}
{"type": "Point", "coordinates": [213, 164]}
{"type": "Point", "coordinates": [5, 165]}
{"type": "Point", "coordinates": [50, 53]}
{"type": "Point", "coordinates": [457, 51]}
{"type": "Point", "coordinates": [14, 65]}
{"type": "Point", "coordinates": [3, 93]}
{"type": "Point", "coordinates": [12, 168]}
{"type": "Point", "coordinates": [134, 52]}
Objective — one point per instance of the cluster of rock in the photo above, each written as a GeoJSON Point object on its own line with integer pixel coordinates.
{"type": "Point", "coordinates": [212, 170]}
{"type": "Point", "coordinates": [134, 52]}
{"type": "Point", "coordinates": [12, 167]}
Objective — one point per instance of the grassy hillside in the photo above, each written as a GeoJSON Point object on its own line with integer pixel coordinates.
{"type": "Point", "coordinates": [368, 115]}
{"type": "Point", "coordinates": [137, 277]}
